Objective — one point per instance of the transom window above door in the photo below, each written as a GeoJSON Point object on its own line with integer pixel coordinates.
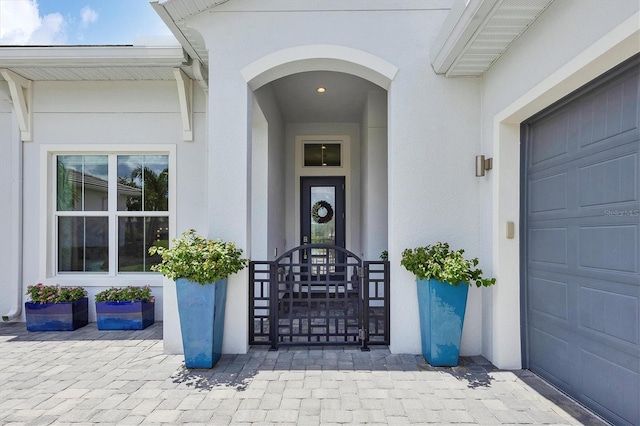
{"type": "Point", "coordinates": [322, 154]}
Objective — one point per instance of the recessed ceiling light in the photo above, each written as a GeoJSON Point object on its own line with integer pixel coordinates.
{"type": "Point", "coordinates": [321, 90]}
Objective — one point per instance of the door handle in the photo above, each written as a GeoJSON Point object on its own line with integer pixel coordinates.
{"type": "Point", "coordinates": [305, 240]}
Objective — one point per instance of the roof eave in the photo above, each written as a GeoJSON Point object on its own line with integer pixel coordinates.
{"type": "Point", "coordinates": [473, 36]}
{"type": "Point", "coordinates": [463, 20]}
{"type": "Point", "coordinates": [166, 17]}
{"type": "Point", "coordinates": [81, 56]}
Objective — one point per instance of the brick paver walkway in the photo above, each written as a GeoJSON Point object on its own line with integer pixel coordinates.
{"type": "Point", "coordinates": [123, 377]}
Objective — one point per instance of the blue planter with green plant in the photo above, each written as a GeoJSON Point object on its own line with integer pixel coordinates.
{"type": "Point", "coordinates": [136, 315]}
{"type": "Point", "coordinates": [56, 308]}
{"type": "Point", "coordinates": [200, 268]}
{"type": "Point", "coordinates": [443, 277]}
{"type": "Point", "coordinates": [125, 308]}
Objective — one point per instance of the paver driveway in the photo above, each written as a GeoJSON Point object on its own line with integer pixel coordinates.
{"type": "Point", "coordinates": [123, 377]}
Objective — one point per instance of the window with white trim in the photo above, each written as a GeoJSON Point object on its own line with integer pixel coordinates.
{"type": "Point", "coordinates": [109, 209]}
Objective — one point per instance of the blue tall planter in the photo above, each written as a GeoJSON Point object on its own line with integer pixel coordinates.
{"type": "Point", "coordinates": [442, 309]}
{"type": "Point", "coordinates": [201, 309]}
{"type": "Point", "coordinates": [62, 316]}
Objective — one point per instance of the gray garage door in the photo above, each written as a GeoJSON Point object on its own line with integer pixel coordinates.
{"type": "Point", "coordinates": [581, 281]}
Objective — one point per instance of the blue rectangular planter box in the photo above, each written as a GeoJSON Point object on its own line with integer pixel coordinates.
{"type": "Point", "coordinates": [136, 315]}
{"type": "Point", "coordinates": [63, 316]}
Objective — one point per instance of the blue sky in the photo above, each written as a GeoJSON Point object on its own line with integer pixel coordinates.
{"type": "Point", "coordinates": [70, 22]}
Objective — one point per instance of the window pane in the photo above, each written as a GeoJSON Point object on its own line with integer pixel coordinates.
{"type": "Point", "coordinates": [135, 236]}
{"type": "Point", "coordinates": [130, 182]}
{"type": "Point", "coordinates": [83, 244]}
{"type": "Point", "coordinates": [323, 227]}
{"type": "Point", "coordinates": [143, 183]}
{"type": "Point", "coordinates": [322, 154]}
{"type": "Point", "coordinates": [82, 183]}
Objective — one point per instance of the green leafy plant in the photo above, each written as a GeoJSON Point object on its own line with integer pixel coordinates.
{"type": "Point", "coordinates": [384, 255]}
{"type": "Point", "coordinates": [126, 294]}
{"type": "Point", "coordinates": [439, 262]}
{"type": "Point", "coordinates": [40, 293]}
{"type": "Point", "coordinates": [198, 259]}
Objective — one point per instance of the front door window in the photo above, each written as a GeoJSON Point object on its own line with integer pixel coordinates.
{"type": "Point", "coordinates": [323, 219]}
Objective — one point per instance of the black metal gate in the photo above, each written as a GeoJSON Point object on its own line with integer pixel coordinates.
{"type": "Point", "coordinates": [319, 294]}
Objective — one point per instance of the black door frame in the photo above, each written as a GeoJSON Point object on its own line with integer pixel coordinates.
{"type": "Point", "coordinates": [306, 182]}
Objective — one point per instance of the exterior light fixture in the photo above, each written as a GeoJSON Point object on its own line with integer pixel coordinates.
{"type": "Point", "coordinates": [483, 165]}
{"type": "Point", "coordinates": [321, 90]}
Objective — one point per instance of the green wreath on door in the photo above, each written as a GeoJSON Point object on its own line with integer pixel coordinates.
{"type": "Point", "coordinates": [321, 212]}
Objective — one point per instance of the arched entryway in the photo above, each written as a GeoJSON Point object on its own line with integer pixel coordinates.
{"type": "Point", "coordinates": [318, 135]}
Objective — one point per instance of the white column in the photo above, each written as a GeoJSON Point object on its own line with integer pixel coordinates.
{"type": "Point", "coordinates": [229, 190]}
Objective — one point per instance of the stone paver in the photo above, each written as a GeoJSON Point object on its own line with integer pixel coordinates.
{"type": "Point", "coordinates": [89, 376]}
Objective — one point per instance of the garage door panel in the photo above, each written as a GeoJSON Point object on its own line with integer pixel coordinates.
{"type": "Point", "coordinates": [609, 181]}
{"type": "Point", "coordinates": [550, 355]}
{"type": "Point", "coordinates": [609, 112]}
{"type": "Point", "coordinates": [614, 315]}
{"type": "Point", "coordinates": [612, 248]}
{"type": "Point", "coordinates": [548, 245]}
{"type": "Point", "coordinates": [612, 387]}
{"type": "Point", "coordinates": [553, 135]}
{"type": "Point", "coordinates": [582, 244]}
{"type": "Point", "coordinates": [630, 115]}
{"type": "Point", "coordinates": [617, 146]}
{"type": "Point", "coordinates": [549, 193]}
{"type": "Point", "coordinates": [597, 312]}
{"type": "Point", "coordinates": [614, 111]}
{"type": "Point", "coordinates": [549, 297]}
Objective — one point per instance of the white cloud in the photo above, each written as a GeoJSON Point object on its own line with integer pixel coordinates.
{"type": "Point", "coordinates": [89, 16]}
{"type": "Point", "coordinates": [21, 24]}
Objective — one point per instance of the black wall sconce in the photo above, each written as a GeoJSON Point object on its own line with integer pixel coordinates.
{"type": "Point", "coordinates": [483, 165]}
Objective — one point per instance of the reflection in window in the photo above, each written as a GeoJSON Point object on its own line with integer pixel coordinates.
{"type": "Point", "coordinates": [143, 183]}
{"type": "Point", "coordinates": [82, 183]}
{"type": "Point", "coordinates": [322, 154]}
{"type": "Point", "coordinates": [83, 244]}
{"type": "Point", "coordinates": [98, 217]}
{"type": "Point", "coordinates": [135, 236]}
{"type": "Point", "coordinates": [323, 227]}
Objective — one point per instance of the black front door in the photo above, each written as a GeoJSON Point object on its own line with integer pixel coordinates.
{"type": "Point", "coordinates": [322, 211]}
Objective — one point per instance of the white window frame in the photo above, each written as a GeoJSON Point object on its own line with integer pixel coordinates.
{"type": "Point", "coordinates": [48, 246]}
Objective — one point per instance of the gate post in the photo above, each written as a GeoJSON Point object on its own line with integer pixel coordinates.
{"type": "Point", "coordinates": [273, 306]}
{"type": "Point", "coordinates": [364, 286]}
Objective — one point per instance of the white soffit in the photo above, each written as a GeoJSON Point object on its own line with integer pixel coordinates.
{"type": "Point", "coordinates": [174, 14]}
{"type": "Point", "coordinates": [92, 63]}
{"type": "Point", "coordinates": [477, 32]}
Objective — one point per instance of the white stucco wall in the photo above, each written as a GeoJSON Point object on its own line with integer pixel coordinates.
{"type": "Point", "coordinates": [85, 115]}
{"type": "Point", "coordinates": [259, 183]}
{"type": "Point", "coordinates": [433, 137]}
{"type": "Point", "coordinates": [10, 209]}
{"type": "Point", "coordinates": [374, 177]}
{"type": "Point", "coordinates": [274, 178]}
{"type": "Point", "coordinates": [571, 43]}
